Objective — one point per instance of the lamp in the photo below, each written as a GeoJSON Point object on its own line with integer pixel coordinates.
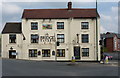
{"type": "Point", "coordinates": [11, 48]}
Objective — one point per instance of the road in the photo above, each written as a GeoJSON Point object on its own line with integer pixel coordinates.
{"type": "Point", "coordinates": [42, 68]}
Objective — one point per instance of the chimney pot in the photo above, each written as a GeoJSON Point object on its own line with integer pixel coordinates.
{"type": "Point", "coordinates": [69, 5]}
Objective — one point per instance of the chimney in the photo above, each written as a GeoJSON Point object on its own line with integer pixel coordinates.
{"type": "Point", "coordinates": [69, 5]}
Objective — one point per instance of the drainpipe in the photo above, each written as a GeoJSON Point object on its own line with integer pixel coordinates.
{"type": "Point", "coordinates": [96, 33]}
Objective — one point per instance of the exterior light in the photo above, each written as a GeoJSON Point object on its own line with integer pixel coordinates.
{"type": "Point", "coordinates": [11, 48]}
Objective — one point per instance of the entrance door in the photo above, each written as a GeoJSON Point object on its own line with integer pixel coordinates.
{"type": "Point", "coordinates": [12, 54]}
{"type": "Point", "coordinates": [77, 52]}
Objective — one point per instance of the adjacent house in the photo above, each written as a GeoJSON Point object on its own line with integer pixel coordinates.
{"type": "Point", "coordinates": [111, 41]}
{"type": "Point", "coordinates": [35, 37]}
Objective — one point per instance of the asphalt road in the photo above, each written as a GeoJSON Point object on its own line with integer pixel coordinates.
{"type": "Point", "coordinates": [42, 68]}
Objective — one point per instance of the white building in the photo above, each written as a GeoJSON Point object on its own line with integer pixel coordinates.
{"type": "Point", "coordinates": [34, 38]}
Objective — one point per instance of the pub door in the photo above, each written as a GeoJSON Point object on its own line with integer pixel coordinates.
{"type": "Point", "coordinates": [12, 54]}
{"type": "Point", "coordinates": [77, 52]}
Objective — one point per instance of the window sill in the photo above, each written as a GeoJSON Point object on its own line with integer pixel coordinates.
{"type": "Point", "coordinates": [85, 56]}
{"type": "Point", "coordinates": [12, 43]}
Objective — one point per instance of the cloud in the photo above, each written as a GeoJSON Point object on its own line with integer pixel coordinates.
{"type": "Point", "coordinates": [11, 8]}
{"type": "Point", "coordinates": [106, 17]}
{"type": "Point", "coordinates": [114, 9]}
{"type": "Point", "coordinates": [59, 0]}
{"type": "Point", "coordinates": [102, 29]}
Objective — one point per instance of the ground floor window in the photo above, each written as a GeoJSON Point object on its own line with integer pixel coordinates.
{"type": "Point", "coordinates": [46, 52]}
{"type": "Point", "coordinates": [60, 52]}
{"type": "Point", "coordinates": [85, 52]}
{"type": "Point", "coordinates": [32, 52]}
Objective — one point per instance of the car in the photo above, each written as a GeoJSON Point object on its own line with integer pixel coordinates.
{"type": "Point", "coordinates": [108, 55]}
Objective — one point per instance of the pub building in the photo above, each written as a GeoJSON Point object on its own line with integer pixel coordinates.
{"type": "Point", "coordinates": [53, 34]}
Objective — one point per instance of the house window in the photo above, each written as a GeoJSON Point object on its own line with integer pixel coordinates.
{"type": "Point", "coordinates": [85, 38]}
{"type": "Point", "coordinates": [12, 38]}
{"type": "Point", "coordinates": [34, 26]}
{"type": "Point", "coordinates": [47, 26]}
{"type": "Point", "coordinates": [85, 52]}
{"type": "Point", "coordinates": [34, 38]}
{"type": "Point", "coordinates": [84, 25]}
{"type": "Point", "coordinates": [60, 25]}
{"type": "Point", "coordinates": [33, 53]}
{"type": "Point", "coordinates": [60, 52]}
{"type": "Point", "coordinates": [46, 52]}
{"type": "Point", "coordinates": [60, 38]}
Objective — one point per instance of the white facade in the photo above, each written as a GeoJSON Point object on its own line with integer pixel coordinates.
{"type": "Point", "coordinates": [71, 28]}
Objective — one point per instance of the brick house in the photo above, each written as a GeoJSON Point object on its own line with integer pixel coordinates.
{"type": "Point", "coordinates": [111, 41]}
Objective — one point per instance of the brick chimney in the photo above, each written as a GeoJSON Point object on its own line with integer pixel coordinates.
{"type": "Point", "coordinates": [69, 5]}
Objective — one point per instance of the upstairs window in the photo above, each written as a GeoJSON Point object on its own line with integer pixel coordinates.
{"type": "Point", "coordinates": [34, 26]}
{"type": "Point", "coordinates": [34, 38]}
{"type": "Point", "coordinates": [60, 38]}
{"type": "Point", "coordinates": [60, 25]}
{"type": "Point", "coordinates": [85, 38]}
{"type": "Point", "coordinates": [12, 38]}
{"type": "Point", "coordinates": [84, 25]}
{"type": "Point", "coordinates": [85, 52]}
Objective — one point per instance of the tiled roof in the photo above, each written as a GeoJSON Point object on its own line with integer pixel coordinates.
{"type": "Point", "coordinates": [12, 28]}
{"type": "Point", "coordinates": [59, 13]}
{"type": "Point", "coordinates": [111, 35]}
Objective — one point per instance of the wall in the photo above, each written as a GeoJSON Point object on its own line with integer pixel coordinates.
{"type": "Point", "coordinates": [71, 28]}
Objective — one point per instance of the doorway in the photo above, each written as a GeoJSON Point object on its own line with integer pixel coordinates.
{"type": "Point", "coordinates": [12, 54]}
{"type": "Point", "coordinates": [77, 52]}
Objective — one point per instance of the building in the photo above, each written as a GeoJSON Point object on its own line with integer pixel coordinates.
{"type": "Point", "coordinates": [35, 37]}
{"type": "Point", "coordinates": [111, 41]}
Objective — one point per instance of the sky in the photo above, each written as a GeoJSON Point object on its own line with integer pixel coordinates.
{"type": "Point", "coordinates": [11, 10]}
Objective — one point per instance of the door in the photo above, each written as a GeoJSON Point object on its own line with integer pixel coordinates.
{"type": "Point", "coordinates": [12, 54]}
{"type": "Point", "coordinates": [77, 52]}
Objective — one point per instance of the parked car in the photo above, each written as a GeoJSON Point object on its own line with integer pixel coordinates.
{"type": "Point", "coordinates": [108, 55]}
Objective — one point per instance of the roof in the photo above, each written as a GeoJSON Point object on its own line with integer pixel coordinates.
{"type": "Point", "coordinates": [110, 35]}
{"type": "Point", "coordinates": [12, 28]}
{"type": "Point", "coordinates": [59, 13]}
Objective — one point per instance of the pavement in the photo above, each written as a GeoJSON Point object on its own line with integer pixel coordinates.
{"type": "Point", "coordinates": [11, 67]}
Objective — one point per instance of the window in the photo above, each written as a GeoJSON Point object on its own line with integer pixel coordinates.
{"type": "Point", "coordinates": [85, 52]}
{"type": "Point", "coordinates": [60, 52]}
{"type": "Point", "coordinates": [46, 52]}
{"type": "Point", "coordinates": [85, 38]}
{"type": "Point", "coordinates": [60, 38]}
{"type": "Point", "coordinates": [34, 26]}
{"type": "Point", "coordinates": [84, 25]}
{"type": "Point", "coordinates": [60, 25]}
{"type": "Point", "coordinates": [12, 38]}
{"type": "Point", "coordinates": [34, 38]}
{"type": "Point", "coordinates": [33, 53]}
{"type": "Point", "coordinates": [47, 26]}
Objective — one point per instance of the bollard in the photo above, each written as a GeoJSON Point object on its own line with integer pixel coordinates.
{"type": "Point", "coordinates": [73, 59]}
{"type": "Point", "coordinates": [106, 59]}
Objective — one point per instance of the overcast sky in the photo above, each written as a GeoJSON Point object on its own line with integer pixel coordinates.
{"type": "Point", "coordinates": [108, 11]}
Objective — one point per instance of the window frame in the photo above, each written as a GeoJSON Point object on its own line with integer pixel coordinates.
{"type": "Point", "coordinates": [62, 39]}
{"type": "Point", "coordinates": [61, 54]}
{"type": "Point", "coordinates": [60, 26]}
{"type": "Point", "coordinates": [48, 53]}
{"type": "Point", "coordinates": [84, 26]}
{"type": "Point", "coordinates": [35, 40]}
{"type": "Point", "coordinates": [85, 40]}
{"type": "Point", "coordinates": [12, 40]}
{"type": "Point", "coordinates": [33, 27]}
{"type": "Point", "coordinates": [87, 52]}
{"type": "Point", "coordinates": [35, 53]}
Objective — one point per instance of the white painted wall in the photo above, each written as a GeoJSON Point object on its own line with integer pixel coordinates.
{"type": "Point", "coordinates": [71, 28]}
